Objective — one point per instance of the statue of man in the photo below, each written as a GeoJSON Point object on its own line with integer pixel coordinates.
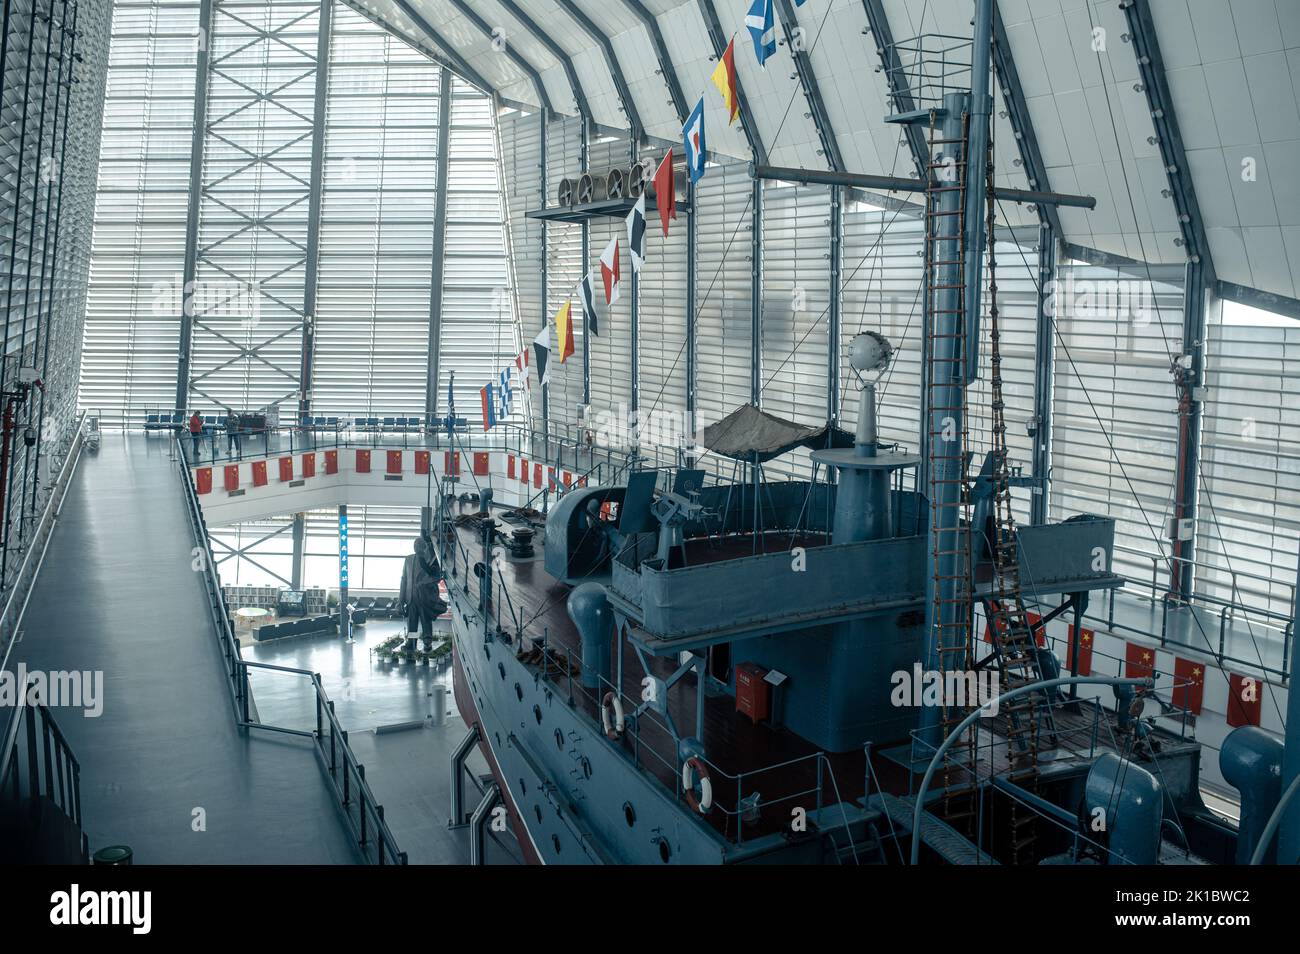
{"type": "Point", "coordinates": [419, 590]}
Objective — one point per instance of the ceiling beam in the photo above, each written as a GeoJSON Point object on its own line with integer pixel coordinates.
{"type": "Point", "coordinates": [458, 63]}
{"type": "Point", "coordinates": [1151, 67]}
{"type": "Point", "coordinates": [812, 92]}
{"type": "Point", "coordinates": [899, 92]}
{"type": "Point", "coordinates": [485, 28]}
{"type": "Point", "coordinates": [666, 68]}
{"type": "Point", "coordinates": [611, 61]}
{"type": "Point", "coordinates": [1022, 126]}
{"type": "Point", "coordinates": [710, 16]}
{"type": "Point", "coordinates": [565, 61]}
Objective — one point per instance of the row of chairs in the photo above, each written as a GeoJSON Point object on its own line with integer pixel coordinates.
{"type": "Point", "coordinates": [377, 607]}
{"type": "Point", "coordinates": [305, 626]}
{"type": "Point", "coordinates": [167, 422]}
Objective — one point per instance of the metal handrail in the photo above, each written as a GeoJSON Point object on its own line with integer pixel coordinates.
{"type": "Point", "coordinates": [371, 815]}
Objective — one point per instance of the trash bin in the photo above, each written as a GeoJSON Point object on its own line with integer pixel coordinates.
{"type": "Point", "coordinates": [112, 855]}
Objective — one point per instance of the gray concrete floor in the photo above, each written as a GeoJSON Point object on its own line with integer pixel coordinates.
{"type": "Point", "coordinates": [117, 595]}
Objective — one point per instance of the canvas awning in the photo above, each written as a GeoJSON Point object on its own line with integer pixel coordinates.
{"type": "Point", "coordinates": [748, 431]}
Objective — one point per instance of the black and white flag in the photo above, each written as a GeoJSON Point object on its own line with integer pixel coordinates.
{"type": "Point", "coordinates": [587, 294]}
{"type": "Point", "coordinates": [636, 234]}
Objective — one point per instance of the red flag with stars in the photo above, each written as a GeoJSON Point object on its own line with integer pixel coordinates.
{"type": "Point", "coordinates": [1086, 637]}
{"type": "Point", "coordinates": [1139, 661]}
{"type": "Point", "coordinates": [1245, 700]}
{"type": "Point", "coordinates": [1189, 685]}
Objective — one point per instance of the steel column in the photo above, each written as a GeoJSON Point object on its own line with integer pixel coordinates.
{"type": "Point", "coordinates": [666, 68]}
{"type": "Point", "coordinates": [438, 249]}
{"type": "Point", "coordinates": [756, 295]}
{"type": "Point", "coordinates": [1022, 126]}
{"type": "Point", "coordinates": [467, 72]}
{"type": "Point", "coordinates": [945, 421]}
{"type": "Point", "coordinates": [486, 29]}
{"type": "Point", "coordinates": [890, 65]}
{"type": "Point", "coordinates": [299, 546]}
{"type": "Point", "coordinates": [811, 91]}
{"type": "Point", "coordinates": [315, 193]}
{"type": "Point", "coordinates": [565, 61]}
{"type": "Point", "coordinates": [1044, 353]}
{"type": "Point", "coordinates": [586, 263]}
{"type": "Point", "coordinates": [543, 119]}
{"type": "Point", "coordinates": [836, 306]}
{"type": "Point", "coordinates": [977, 159]}
{"type": "Point", "coordinates": [692, 344]}
{"type": "Point", "coordinates": [615, 70]}
{"type": "Point", "coordinates": [1189, 379]}
{"type": "Point", "coordinates": [1151, 68]}
{"type": "Point", "coordinates": [1288, 841]}
{"type": "Point", "coordinates": [197, 144]}
{"type": "Point", "coordinates": [710, 17]}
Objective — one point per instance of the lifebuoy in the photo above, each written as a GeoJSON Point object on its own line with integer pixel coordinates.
{"type": "Point", "coordinates": [613, 726]}
{"type": "Point", "coordinates": [704, 801]}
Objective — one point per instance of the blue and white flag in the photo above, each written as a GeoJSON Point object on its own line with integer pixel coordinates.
{"type": "Point", "coordinates": [693, 138]}
{"type": "Point", "coordinates": [507, 394]}
{"type": "Point", "coordinates": [759, 22]}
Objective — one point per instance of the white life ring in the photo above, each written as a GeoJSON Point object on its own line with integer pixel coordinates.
{"type": "Point", "coordinates": [704, 801]}
{"type": "Point", "coordinates": [613, 726]}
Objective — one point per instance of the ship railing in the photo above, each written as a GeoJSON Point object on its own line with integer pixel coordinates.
{"type": "Point", "coordinates": [1277, 625]}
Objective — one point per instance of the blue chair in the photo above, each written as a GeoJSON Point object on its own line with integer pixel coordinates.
{"type": "Point", "coordinates": [390, 423]}
{"type": "Point", "coordinates": [332, 422]}
{"type": "Point", "coordinates": [372, 423]}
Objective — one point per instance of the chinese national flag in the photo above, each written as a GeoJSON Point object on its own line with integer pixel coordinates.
{"type": "Point", "coordinates": [1139, 661]}
{"type": "Point", "coordinates": [1245, 700]}
{"type": "Point", "coordinates": [1086, 637]}
{"type": "Point", "coordinates": [1189, 685]}
{"type": "Point", "coordinates": [1037, 628]}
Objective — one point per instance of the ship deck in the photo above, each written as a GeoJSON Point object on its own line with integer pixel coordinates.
{"type": "Point", "coordinates": [744, 757]}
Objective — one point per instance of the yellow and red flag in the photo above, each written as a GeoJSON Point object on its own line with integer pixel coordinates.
{"type": "Point", "coordinates": [564, 330]}
{"type": "Point", "coordinates": [724, 77]}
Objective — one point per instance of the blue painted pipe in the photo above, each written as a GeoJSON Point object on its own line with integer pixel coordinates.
{"type": "Point", "coordinates": [1251, 762]}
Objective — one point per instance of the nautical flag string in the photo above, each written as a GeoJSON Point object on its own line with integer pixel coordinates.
{"type": "Point", "coordinates": [759, 22]}
{"type": "Point", "coordinates": [507, 393]}
{"type": "Point", "coordinates": [693, 139]}
{"type": "Point", "coordinates": [587, 295]}
{"type": "Point", "coordinates": [636, 234]}
{"type": "Point", "coordinates": [724, 77]}
{"type": "Point", "coordinates": [666, 191]}
{"type": "Point", "coordinates": [609, 271]}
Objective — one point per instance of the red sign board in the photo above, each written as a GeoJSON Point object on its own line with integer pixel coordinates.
{"type": "Point", "coordinates": [363, 462]}
{"type": "Point", "coordinates": [203, 480]}
{"type": "Point", "coordinates": [394, 462]}
{"type": "Point", "coordinates": [309, 465]}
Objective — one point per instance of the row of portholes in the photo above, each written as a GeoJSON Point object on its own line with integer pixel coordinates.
{"type": "Point", "coordinates": [629, 811]}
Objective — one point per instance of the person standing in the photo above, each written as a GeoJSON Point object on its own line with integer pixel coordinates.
{"type": "Point", "coordinates": [196, 433]}
{"type": "Point", "coordinates": [232, 434]}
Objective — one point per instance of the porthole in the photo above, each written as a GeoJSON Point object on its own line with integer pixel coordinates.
{"type": "Point", "coordinates": [629, 814]}
{"type": "Point", "coordinates": [501, 668]}
{"type": "Point", "coordinates": [519, 692]}
{"type": "Point", "coordinates": [555, 843]}
{"type": "Point", "coordinates": [537, 714]}
{"type": "Point", "coordinates": [586, 767]}
{"type": "Point", "coordinates": [523, 787]}
{"type": "Point", "coordinates": [559, 740]}
{"type": "Point", "coordinates": [665, 852]}
{"type": "Point", "coordinates": [538, 810]}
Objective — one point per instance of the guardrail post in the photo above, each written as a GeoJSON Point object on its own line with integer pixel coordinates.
{"type": "Point", "coordinates": [478, 823]}
{"type": "Point", "coordinates": [458, 756]}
